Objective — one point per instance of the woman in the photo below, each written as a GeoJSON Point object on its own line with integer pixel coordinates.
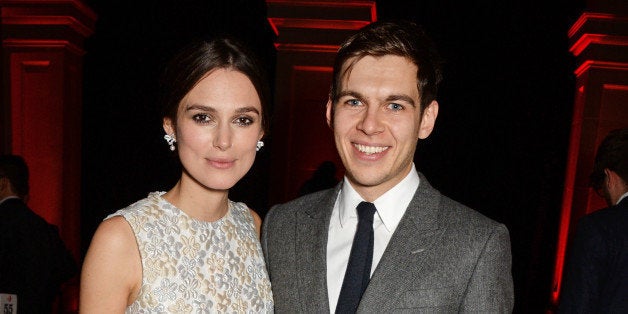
{"type": "Point", "coordinates": [191, 249]}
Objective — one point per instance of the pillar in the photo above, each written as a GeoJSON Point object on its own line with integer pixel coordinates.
{"type": "Point", "coordinates": [599, 41]}
{"type": "Point", "coordinates": [308, 36]}
{"type": "Point", "coordinates": [42, 51]}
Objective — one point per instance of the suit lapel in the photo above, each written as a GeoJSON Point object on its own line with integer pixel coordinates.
{"type": "Point", "coordinates": [311, 240]}
{"type": "Point", "coordinates": [406, 250]}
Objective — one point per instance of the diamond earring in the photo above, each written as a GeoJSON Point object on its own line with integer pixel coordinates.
{"type": "Point", "coordinates": [260, 144]}
{"type": "Point", "coordinates": [170, 140]}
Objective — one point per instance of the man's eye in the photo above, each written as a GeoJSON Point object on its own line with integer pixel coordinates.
{"type": "Point", "coordinates": [395, 107]}
{"type": "Point", "coordinates": [353, 102]}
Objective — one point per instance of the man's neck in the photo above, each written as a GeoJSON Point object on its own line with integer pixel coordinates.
{"type": "Point", "coordinates": [621, 197]}
{"type": "Point", "coordinates": [2, 200]}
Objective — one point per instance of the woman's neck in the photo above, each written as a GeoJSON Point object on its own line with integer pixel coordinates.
{"type": "Point", "coordinates": [198, 201]}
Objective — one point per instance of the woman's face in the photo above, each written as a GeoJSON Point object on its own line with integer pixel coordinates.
{"type": "Point", "coordinates": [217, 129]}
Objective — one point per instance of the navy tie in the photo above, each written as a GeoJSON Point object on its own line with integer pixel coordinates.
{"type": "Point", "coordinates": [358, 271]}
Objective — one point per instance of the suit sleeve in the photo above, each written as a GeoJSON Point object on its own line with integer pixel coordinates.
{"type": "Point", "coordinates": [581, 281]}
{"type": "Point", "coordinates": [265, 226]}
{"type": "Point", "coordinates": [490, 289]}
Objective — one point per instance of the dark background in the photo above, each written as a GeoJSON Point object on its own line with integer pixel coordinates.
{"type": "Point", "coordinates": [500, 143]}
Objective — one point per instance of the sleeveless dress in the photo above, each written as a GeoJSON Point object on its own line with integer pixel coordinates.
{"type": "Point", "coordinates": [193, 266]}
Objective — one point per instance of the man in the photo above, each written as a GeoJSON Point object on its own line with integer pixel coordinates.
{"type": "Point", "coordinates": [408, 248]}
{"type": "Point", "coordinates": [596, 272]}
{"type": "Point", "coordinates": [34, 262]}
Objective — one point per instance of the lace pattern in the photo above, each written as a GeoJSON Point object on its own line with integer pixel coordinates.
{"type": "Point", "coordinates": [192, 266]}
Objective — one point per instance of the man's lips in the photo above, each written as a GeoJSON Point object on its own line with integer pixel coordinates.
{"type": "Point", "coordinates": [370, 150]}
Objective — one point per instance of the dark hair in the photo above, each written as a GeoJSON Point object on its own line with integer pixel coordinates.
{"type": "Point", "coordinates": [15, 169]}
{"type": "Point", "coordinates": [400, 38]}
{"type": "Point", "coordinates": [196, 60]}
{"type": "Point", "coordinates": [613, 155]}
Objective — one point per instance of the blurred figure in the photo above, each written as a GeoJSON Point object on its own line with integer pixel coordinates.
{"type": "Point", "coordinates": [192, 249]}
{"type": "Point", "coordinates": [323, 178]}
{"type": "Point", "coordinates": [34, 262]}
{"type": "Point", "coordinates": [596, 271]}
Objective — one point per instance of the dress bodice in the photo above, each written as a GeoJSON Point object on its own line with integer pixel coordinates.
{"type": "Point", "coordinates": [193, 266]}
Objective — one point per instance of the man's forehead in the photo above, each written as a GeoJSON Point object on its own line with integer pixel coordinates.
{"type": "Point", "coordinates": [350, 63]}
{"type": "Point", "coordinates": [375, 72]}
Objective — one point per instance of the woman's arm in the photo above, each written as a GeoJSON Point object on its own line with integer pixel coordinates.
{"type": "Point", "coordinates": [112, 269]}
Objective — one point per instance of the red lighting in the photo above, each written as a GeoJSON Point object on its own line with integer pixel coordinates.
{"type": "Point", "coordinates": [313, 68]}
{"type": "Point", "coordinates": [596, 39]}
{"type": "Point", "coordinates": [315, 24]}
{"type": "Point", "coordinates": [586, 65]}
{"type": "Point", "coordinates": [307, 48]}
{"type": "Point", "coordinates": [592, 16]}
{"type": "Point", "coordinates": [570, 177]}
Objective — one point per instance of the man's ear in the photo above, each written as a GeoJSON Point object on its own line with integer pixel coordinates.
{"type": "Point", "coordinates": [169, 127]}
{"type": "Point", "coordinates": [428, 120]}
{"type": "Point", "coordinates": [3, 183]}
{"type": "Point", "coordinates": [5, 188]}
{"type": "Point", "coordinates": [329, 113]}
{"type": "Point", "coordinates": [614, 181]}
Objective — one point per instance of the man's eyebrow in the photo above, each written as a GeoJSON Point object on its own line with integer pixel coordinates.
{"type": "Point", "coordinates": [350, 93]}
{"type": "Point", "coordinates": [390, 98]}
{"type": "Point", "coordinates": [401, 97]}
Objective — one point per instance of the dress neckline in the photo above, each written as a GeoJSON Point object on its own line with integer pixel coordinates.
{"type": "Point", "coordinates": [176, 210]}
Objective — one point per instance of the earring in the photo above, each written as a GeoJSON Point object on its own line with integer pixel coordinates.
{"type": "Point", "coordinates": [170, 140]}
{"type": "Point", "coordinates": [260, 144]}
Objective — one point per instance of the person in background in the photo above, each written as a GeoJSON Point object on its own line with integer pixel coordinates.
{"type": "Point", "coordinates": [383, 240]}
{"type": "Point", "coordinates": [34, 261]}
{"type": "Point", "coordinates": [323, 178]}
{"type": "Point", "coordinates": [596, 270]}
{"type": "Point", "coordinates": [191, 249]}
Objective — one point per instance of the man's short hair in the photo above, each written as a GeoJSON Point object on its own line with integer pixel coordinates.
{"type": "Point", "coordinates": [400, 38]}
{"type": "Point", "coordinates": [613, 155]}
{"type": "Point", "coordinates": [14, 168]}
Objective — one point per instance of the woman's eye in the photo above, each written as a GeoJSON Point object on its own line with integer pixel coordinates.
{"type": "Point", "coordinates": [201, 118]}
{"type": "Point", "coordinates": [395, 107]}
{"type": "Point", "coordinates": [243, 121]}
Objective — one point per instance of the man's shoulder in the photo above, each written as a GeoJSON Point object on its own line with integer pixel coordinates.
{"type": "Point", "coordinates": [449, 211]}
{"type": "Point", "coordinates": [308, 202]}
{"type": "Point", "coordinates": [17, 213]}
{"type": "Point", "coordinates": [464, 213]}
{"type": "Point", "coordinates": [606, 218]}
{"type": "Point", "coordinates": [465, 219]}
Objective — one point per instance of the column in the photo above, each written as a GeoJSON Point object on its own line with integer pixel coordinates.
{"type": "Point", "coordinates": [308, 36]}
{"type": "Point", "coordinates": [599, 41]}
{"type": "Point", "coordinates": [42, 52]}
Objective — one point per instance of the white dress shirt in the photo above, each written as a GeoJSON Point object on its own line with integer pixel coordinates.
{"type": "Point", "coordinates": [344, 220]}
{"type": "Point", "coordinates": [7, 198]}
{"type": "Point", "coordinates": [622, 197]}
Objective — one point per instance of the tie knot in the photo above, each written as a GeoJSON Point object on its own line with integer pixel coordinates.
{"type": "Point", "coordinates": [366, 211]}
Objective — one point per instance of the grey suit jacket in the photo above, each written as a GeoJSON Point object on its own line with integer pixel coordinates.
{"type": "Point", "coordinates": [442, 258]}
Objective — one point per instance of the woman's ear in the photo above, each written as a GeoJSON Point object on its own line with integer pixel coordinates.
{"type": "Point", "coordinates": [169, 126]}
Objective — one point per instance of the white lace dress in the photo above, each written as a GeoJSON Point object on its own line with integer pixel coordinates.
{"type": "Point", "coordinates": [193, 266]}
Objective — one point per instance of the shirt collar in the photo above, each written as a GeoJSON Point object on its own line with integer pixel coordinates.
{"type": "Point", "coordinates": [622, 197]}
{"type": "Point", "coordinates": [7, 198]}
{"type": "Point", "coordinates": [390, 206]}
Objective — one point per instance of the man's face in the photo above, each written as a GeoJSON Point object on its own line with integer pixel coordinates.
{"type": "Point", "coordinates": [377, 122]}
